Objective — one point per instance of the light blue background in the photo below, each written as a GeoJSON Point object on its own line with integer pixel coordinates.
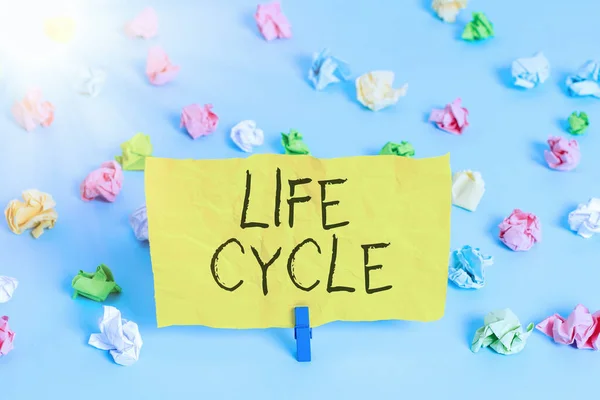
{"type": "Point", "coordinates": [225, 62]}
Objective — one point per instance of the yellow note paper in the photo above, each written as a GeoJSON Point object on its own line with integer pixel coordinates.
{"type": "Point", "coordinates": [238, 243]}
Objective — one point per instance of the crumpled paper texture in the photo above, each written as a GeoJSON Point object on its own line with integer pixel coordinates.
{"type": "Point", "coordinates": [246, 135]}
{"type": "Point", "coordinates": [36, 212]}
{"type": "Point", "coordinates": [8, 286]}
{"type": "Point", "coordinates": [92, 81]}
{"type": "Point", "coordinates": [520, 230]}
{"type": "Point", "coordinates": [374, 90]}
{"type": "Point", "coordinates": [7, 336]}
{"type": "Point", "coordinates": [448, 10]}
{"type": "Point", "coordinates": [585, 220]}
{"type": "Point", "coordinates": [135, 151]}
{"type": "Point", "coordinates": [32, 111]}
{"type": "Point", "coordinates": [326, 69]}
{"type": "Point", "coordinates": [376, 188]}
{"type": "Point", "coordinates": [159, 68]}
{"type": "Point", "coordinates": [120, 336]}
{"type": "Point", "coordinates": [199, 120]}
{"type": "Point", "coordinates": [139, 223]}
{"type": "Point", "coordinates": [564, 154]}
{"type": "Point", "coordinates": [467, 267]}
{"type": "Point", "coordinates": [581, 328]}
{"type": "Point", "coordinates": [403, 149]}
{"type": "Point", "coordinates": [95, 285]}
{"type": "Point", "coordinates": [144, 25]}
{"type": "Point", "coordinates": [480, 28]}
{"type": "Point", "coordinates": [105, 182]}
{"type": "Point", "coordinates": [271, 21]}
{"type": "Point", "coordinates": [468, 188]}
{"type": "Point", "coordinates": [502, 332]}
{"type": "Point", "coordinates": [293, 143]}
{"type": "Point", "coordinates": [585, 81]}
{"type": "Point", "coordinates": [453, 118]}
{"type": "Point", "coordinates": [529, 72]}
{"type": "Point", "coordinates": [578, 123]}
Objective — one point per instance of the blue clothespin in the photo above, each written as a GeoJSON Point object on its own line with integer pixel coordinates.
{"type": "Point", "coordinates": [302, 333]}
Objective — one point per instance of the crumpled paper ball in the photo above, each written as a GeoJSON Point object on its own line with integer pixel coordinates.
{"type": "Point", "coordinates": [578, 123]}
{"type": "Point", "coordinates": [7, 336]}
{"type": "Point", "coordinates": [159, 68]}
{"type": "Point", "coordinates": [480, 28]}
{"type": "Point", "coordinates": [246, 135]}
{"type": "Point", "coordinates": [32, 111]}
{"type": "Point", "coordinates": [119, 336]}
{"type": "Point", "coordinates": [453, 118]}
{"type": "Point", "coordinates": [502, 332]}
{"type": "Point", "coordinates": [199, 120]}
{"type": "Point", "coordinates": [564, 155]}
{"type": "Point", "coordinates": [467, 267]}
{"type": "Point", "coordinates": [447, 10]}
{"type": "Point", "coordinates": [327, 69]}
{"type": "Point", "coordinates": [585, 220]}
{"type": "Point", "coordinates": [374, 90]}
{"type": "Point", "coordinates": [134, 152]}
{"type": "Point", "coordinates": [585, 81]}
{"type": "Point", "coordinates": [520, 230]}
{"type": "Point", "coordinates": [402, 149]}
{"type": "Point", "coordinates": [529, 72]}
{"type": "Point", "coordinates": [36, 212]}
{"type": "Point", "coordinates": [8, 286]}
{"type": "Point", "coordinates": [105, 182]}
{"type": "Point", "coordinates": [271, 21]}
{"type": "Point", "coordinates": [139, 223]}
{"type": "Point", "coordinates": [92, 81]}
{"type": "Point", "coordinates": [581, 328]}
{"type": "Point", "coordinates": [293, 143]}
{"type": "Point", "coordinates": [468, 188]}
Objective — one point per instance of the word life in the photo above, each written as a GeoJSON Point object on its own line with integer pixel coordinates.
{"type": "Point", "coordinates": [233, 244]}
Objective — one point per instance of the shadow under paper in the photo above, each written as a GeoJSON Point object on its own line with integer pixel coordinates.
{"type": "Point", "coordinates": [562, 220]}
{"type": "Point", "coordinates": [304, 64]}
{"type": "Point", "coordinates": [249, 23]}
{"type": "Point", "coordinates": [471, 325]}
{"type": "Point", "coordinates": [494, 231]}
{"type": "Point", "coordinates": [537, 153]}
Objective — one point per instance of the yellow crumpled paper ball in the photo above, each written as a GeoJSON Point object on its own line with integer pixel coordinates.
{"type": "Point", "coordinates": [447, 10]}
{"type": "Point", "coordinates": [36, 213]}
{"type": "Point", "coordinates": [374, 90]}
{"type": "Point", "coordinates": [60, 29]}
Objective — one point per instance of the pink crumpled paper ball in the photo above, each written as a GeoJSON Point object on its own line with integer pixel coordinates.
{"type": "Point", "coordinates": [144, 25]}
{"type": "Point", "coordinates": [105, 182]}
{"type": "Point", "coordinates": [32, 111]}
{"type": "Point", "coordinates": [271, 21]}
{"type": "Point", "coordinates": [564, 154]}
{"type": "Point", "coordinates": [159, 68]}
{"type": "Point", "coordinates": [453, 118]}
{"type": "Point", "coordinates": [199, 120]}
{"type": "Point", "coordinates": [6, 337]}
{"type": "Point", "coordinates": [581, 328]}
{"type": "Point", "coordinates": [520, 230]}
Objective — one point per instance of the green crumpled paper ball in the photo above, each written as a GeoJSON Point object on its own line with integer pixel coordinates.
{"type": "Point", "coordinates": [502, 332]}
{"type": "Point", "coordinates": [403, 149]}
{"type": "Point", "coordinates": [293, 143]}
{"type": "Point", "coordinates": [578, 123]}
{"type": "Point", "coordinates": [135, 151]}
{"type": "Point", "coordinates": [95, 285]}
{"type": "Point", "coordinates": [479, 28]}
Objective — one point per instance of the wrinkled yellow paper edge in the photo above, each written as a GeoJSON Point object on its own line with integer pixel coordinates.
{"type": "Point", "coordinates": [194, 206]}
